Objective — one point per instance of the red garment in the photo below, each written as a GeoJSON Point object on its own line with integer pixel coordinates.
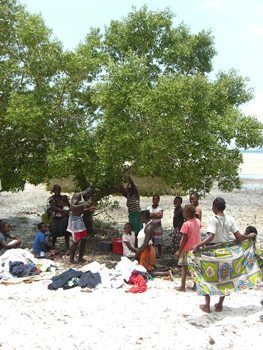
{"type": "Point", "coordinates": [139, 284]}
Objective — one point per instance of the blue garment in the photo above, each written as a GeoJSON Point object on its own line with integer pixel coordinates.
{"type": "Point", "coordinates": [39, 241]}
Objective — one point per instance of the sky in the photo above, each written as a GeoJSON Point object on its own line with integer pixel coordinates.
{"type": "Point", "coordinates": [237, 27]}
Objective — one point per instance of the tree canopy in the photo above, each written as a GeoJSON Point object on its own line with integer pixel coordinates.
{"type": "Point", "coordinates": [138, 93]}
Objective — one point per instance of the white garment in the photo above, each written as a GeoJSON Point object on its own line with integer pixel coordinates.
{"type": "Point", "coordinates": [141, 236]}
{"type": "Point", "coordinates": [130, 238]}
{"type": "Point", "coordinates": [114, 278]}
{"type": "Point", "coordinates": [221, 226]}
{"type": "Point", "coordinates": [155, 210]}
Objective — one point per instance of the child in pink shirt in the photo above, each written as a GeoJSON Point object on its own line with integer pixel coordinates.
{"type": "Point", "coordinates": [190, 237]}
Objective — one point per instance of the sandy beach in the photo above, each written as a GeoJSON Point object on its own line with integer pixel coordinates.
{"type": "Point", "coordinates": [161, 318]}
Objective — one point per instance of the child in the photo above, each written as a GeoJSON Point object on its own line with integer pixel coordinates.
{"type": "Point", "coordinates": [220, 229]}
{"type": "Point", "coordinates": [128, 242]}
{"type": "Point", "coordinates": [40, 246]}
{"type": "Point", "coordinates": [178, 221]}
{"type": "Point", "coordinates": [250, 229]}
{"type": "Point", "coordinates": [190, 237]}
{"type": "Point", "coordinates": [194, 199]}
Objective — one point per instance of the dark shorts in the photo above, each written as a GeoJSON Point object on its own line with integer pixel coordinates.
{"type": "Point", "coordinates": [58, 226]}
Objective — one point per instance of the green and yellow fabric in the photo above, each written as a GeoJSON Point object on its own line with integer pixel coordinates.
{"type": "Point", "coordinates": [225, 267]}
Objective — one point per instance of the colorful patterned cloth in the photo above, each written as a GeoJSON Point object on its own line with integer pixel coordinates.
{"type": "Point", "coordinates": [259, 252]}
{"type": "Point", "coordinates": [224, 268]}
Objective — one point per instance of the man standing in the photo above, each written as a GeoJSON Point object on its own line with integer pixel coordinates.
{"type": "Point", "coordinates": [59, 205]}
{"type": "Point", "coordinates": [133, 205]}
{"type": "Point", "coordinates": [80, 203]}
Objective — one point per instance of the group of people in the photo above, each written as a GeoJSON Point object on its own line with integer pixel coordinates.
{"type": "Point", "coordinates": [140, 243]}
{"type": "Point", "coordinates": [143, 234]}
{"type": "Point", "coordinates": [156, 214]}
{"type": "Point", "coordinates": [66, 218]}
{"type": "Point", "coordinates": [221, 228]}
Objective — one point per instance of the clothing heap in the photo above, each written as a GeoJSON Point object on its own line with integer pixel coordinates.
{"type": "Point", "coordinates": [73, 278]}
{"type": "Point", "coordinates": [19, 269]}
{"type": "Point", "coordinates": [138, 279]}
{"type": "Point", "coordinates": [21, 263]}
{"type": "Point", "coordinates": [96, 276]}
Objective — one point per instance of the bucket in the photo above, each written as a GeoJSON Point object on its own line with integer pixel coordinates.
{"type": "Point", "coordinates": [117, 246]}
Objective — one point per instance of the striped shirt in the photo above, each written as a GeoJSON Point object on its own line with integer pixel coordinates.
{"type": "Point", "coordinates": [133, 203]}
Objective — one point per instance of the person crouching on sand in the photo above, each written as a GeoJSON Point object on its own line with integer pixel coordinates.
{"type": "Point", "coordinates": [40, 245]}
{"type": "Point", "coordinates": [190, 231]}
{"type": "Point", "coordinates": [145, 252]}
{"type": "Point", "coordinates": [7, 241]}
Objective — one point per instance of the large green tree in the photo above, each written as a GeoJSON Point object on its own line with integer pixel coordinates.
{"type": "Point", "coordinates": [137, 93]}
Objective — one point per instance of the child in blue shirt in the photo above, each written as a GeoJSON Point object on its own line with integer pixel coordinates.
{"type": "Point", "coordinates": [40, 245]}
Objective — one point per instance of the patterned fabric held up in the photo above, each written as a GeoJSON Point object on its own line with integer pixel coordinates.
{"type": "Point", "coordinates": [224, 268]}
{"type": "Point", "coordinates": [259, 252]}
{"type": "Point", "coordinates": [77, 228]}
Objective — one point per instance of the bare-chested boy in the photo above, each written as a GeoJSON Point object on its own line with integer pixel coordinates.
{"type": "Point", "coordinates": [80, 203]}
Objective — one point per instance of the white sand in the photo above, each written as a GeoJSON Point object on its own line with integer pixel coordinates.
{"type": "Point", "coordinates": [161, 318]}
{"type": "Point", "coordinates": [32, 317]}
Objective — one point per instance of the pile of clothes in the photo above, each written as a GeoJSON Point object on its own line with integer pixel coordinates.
{"type": "Point", "coordinates": [20, 269]}
{"type": "Point", "coordinates": [138, 279]}
{"type": "Point", "coordinates": [95, 275]}
{"type": "Point", "coordinates": [21, 263]}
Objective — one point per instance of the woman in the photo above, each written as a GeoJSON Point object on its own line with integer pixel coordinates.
{"type": "Point", "coordinates": [59, 206]}
{"type": "Point", "coordinates": [156, 213]}
{"type": "Point", "coordinates": [145, 253]}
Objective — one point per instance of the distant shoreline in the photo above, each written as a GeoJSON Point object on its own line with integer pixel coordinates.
{"type": "Point", "coordinates": [260, 150]}
{"type": "Point", "coordinates": [252, 181]}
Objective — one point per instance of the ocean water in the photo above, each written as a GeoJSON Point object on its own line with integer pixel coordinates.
{"type": "Point", "coordinates": [252, 168]}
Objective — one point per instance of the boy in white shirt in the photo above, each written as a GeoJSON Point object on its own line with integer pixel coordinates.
{"type": "Point", "coordinates": [220, 228]}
